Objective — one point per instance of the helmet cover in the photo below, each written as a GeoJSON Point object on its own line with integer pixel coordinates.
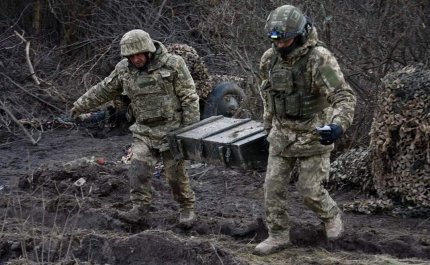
{"type": "Point", "coordinates": [136, 41]}
{"type": "Point", "coordinates": [285, 22]}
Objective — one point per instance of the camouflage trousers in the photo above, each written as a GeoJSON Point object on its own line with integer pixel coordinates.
{"type": "Point", "coordinates": [141, 171]}
{"type": "Point", "coordinates": [312, 171]}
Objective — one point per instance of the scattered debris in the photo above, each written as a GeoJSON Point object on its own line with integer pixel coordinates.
{"type": "Point", "coordinates": [80, 182]}
{"type": "Point", "coordinates": [79, 163]}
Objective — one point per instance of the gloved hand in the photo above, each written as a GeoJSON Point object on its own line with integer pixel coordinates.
{"type": "Point", "coordinates": [75, 112]}
{"type": "Point", "coordinates": [330, 133]}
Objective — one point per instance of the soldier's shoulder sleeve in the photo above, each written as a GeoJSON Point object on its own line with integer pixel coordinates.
{"type": "Point", "coordinates": [327, 67]}
{"type": "Point", "coordinates": [177, 64]}
{"type": "Point", "coordinates": [265, 63]}
{"type": "Point", "coordinates": [104, 91]}
{"type": "Point", "coordinates": [267, 55]}
{"type": "Point", "coordinates": [328, 77]}
{"type": "Point", "coordinates": [122, 65]}
{"type": "Point", "coordinates": [185, 89]}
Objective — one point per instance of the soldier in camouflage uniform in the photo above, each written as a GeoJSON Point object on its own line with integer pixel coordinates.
{"type": "Point", "coordinates": [163, 98]}
{"type": "Point", "coordinates": [303, 89]}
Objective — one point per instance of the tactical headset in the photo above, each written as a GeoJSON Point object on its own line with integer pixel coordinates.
{"type": "Point", "coordinates": [300, 36]}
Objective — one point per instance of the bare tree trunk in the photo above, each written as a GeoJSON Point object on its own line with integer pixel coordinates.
{"type": "Point", "coordinates": [36, 23]}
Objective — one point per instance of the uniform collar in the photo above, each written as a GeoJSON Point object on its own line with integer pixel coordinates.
{"type": "Point", "coordinates": [160, 57]}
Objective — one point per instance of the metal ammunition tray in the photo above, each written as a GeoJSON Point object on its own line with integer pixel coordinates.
{"type": "Point", "coordinates": [234, 143]}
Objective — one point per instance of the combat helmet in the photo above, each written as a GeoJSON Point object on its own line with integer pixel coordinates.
{"type": "Point", "coordinates": [286, 22]}
{"type": "Point", "coordinates": [136, 41]}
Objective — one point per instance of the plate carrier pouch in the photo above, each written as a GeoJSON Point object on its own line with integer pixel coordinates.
{"type": "Point", "coordinates": [290, 93]}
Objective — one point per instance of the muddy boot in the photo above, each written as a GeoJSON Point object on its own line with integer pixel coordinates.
{"type": "Point", "coordinates": [272, 244]}
{"type": "Point", "coordinates": [334, 227]}
{"type": "Point", "coordinates": [187, 217]}
{"type": "Point", "coordinates": [135, 215]}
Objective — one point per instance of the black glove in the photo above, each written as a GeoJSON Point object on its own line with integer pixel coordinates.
{"type": "Point", "coordinates": [330, 133]}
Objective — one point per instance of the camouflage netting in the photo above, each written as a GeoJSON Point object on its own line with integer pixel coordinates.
{"type": "Point", "coordinates": [205, 83]}
{"type": "Point", "coordinates": [216, 79]}
{"type": "Point", "coordinates": [352, 169]}
{"type": "Point", "coordinates": [400, 136]}
{"type": "Point", "coordinates": [195, 64]}
{"type": "Point", "coordinates": [396, 166]}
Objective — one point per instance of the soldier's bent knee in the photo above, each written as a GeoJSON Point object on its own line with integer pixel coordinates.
{"type": "Point", "coordinates": [309, 192]}
{"type": "Point", "coordinates": [139, 170]}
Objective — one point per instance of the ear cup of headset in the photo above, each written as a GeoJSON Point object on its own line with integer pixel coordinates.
{"type": "Point", "coordinates": [302, 38]}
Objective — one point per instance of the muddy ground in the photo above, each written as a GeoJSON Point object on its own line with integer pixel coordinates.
{"type": "Point", "coordinates": [56, 213]}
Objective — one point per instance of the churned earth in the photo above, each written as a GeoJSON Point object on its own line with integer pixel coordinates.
{"type": "Point", "coordinates": [59, 203]}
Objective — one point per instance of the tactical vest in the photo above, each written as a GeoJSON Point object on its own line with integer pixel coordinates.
{"type": "Point", "coordinates": [153, 98]}
{"type": "Point", "coordinates": [290, 95]}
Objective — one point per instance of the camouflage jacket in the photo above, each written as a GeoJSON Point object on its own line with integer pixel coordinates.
{"type": "Point", "coordinates": [163, 95]}
{"type": "Point", "coordinates": [298, 137]}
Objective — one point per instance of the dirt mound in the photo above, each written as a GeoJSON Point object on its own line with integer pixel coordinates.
{"type": "Point", "coordinates": [148, 247]}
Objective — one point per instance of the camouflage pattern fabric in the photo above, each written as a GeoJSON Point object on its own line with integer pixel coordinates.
{"type": "Point", "coordinates": [295, 137]}
{"type": "Point", "coordinates": [313, 170]}
{"type": "Point", "coordinates": [293, 140]}
{"type": "Point", "coordinates": [196, 66]}
{"type": "Point", "coordinates": [163, 98]}
{"type": "Point", "coordinates": [287, 19]}
{"type": "Point", "coordinates": [143, 162]}
{"type": "Point", "coordinates": [136, 41]}
{"type": "Point", "coordinates": [163, 95]}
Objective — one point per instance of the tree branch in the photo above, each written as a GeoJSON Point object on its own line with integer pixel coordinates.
{"type": "Point", "coordinates": [31, 94]}
{"type": "Point", "coordinates": [27, 57]}
{"type": "Point", "coordinates": [160, 10]}
{"type": "Point", "coordinates": [30, 137]}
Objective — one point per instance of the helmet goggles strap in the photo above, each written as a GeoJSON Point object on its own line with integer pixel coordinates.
{"type": "Point", "coordinates": [278, 35]}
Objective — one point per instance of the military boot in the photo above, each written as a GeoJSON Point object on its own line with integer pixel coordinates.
{"type": "Point", "coordinates": [135, 215]}
{"type": "Point", "coordinates": [334, 227]}
{"type": "Point", "coordinates": [272, 244]}
{"type": "Point", "coordinates": [187, 217]}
